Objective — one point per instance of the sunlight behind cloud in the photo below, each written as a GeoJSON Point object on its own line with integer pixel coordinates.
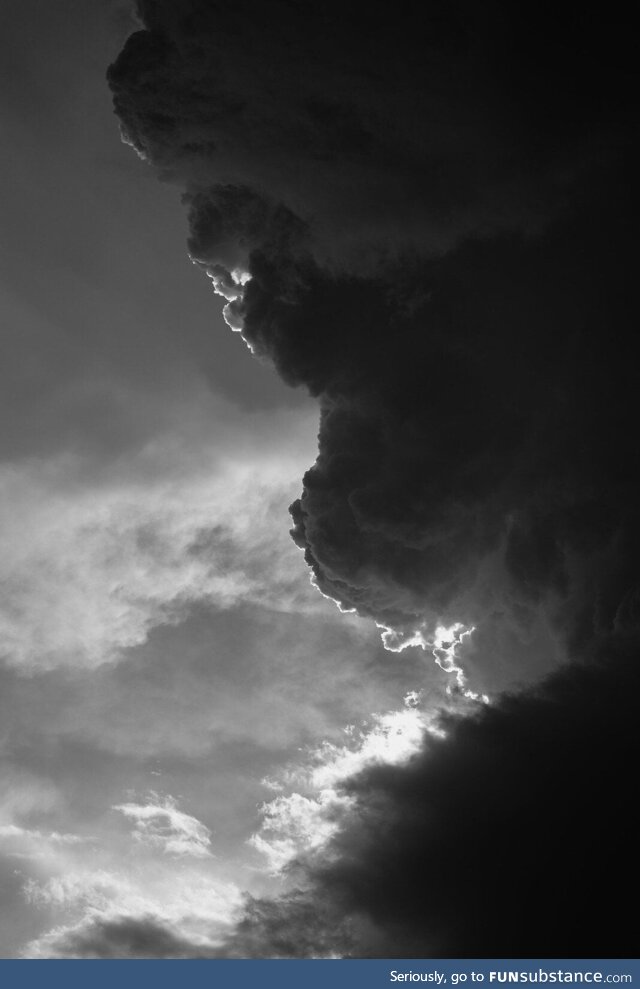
{"type": "Point", "coordinates": [305, 819]}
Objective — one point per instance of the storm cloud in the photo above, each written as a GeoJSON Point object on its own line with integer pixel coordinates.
{"type": "Point", "coordinates": [422, 215]}
{"type": "Point", "coordinates": [433, 217]}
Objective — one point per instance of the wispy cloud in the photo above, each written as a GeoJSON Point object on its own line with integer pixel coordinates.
{"type": "Point", "coordinates": [93, 560]}
{"type": "Point", "coordinates": [160, 824]}
{"type": "Point", "coordinates": [14, 831]}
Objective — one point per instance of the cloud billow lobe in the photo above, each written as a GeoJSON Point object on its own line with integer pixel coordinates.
{"type": "Point", "coordinates": [434, 208]}
{"type": "Point", "coordinates": [467, 450]}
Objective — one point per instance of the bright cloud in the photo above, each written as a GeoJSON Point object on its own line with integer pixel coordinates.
{"type": "Point", "coordinates": [159, 824]}
{"type": "Point", "coordinates": [444, 644]}
{"type": "Point", "coordinates": [306, 818]}
{"type": "Point", "coordinates": [90, 564]}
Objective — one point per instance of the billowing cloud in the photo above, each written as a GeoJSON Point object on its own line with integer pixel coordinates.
{"type": "Point", "coordinates": [414, 221]}
{"type": "Point", "coordinates": [404, 132]}
{"type": "Point", "coordinates": [423, 219]}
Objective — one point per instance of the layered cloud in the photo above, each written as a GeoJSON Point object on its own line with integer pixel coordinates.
{"type": "Point", "coordinates": [145, 898]}
{"type": "Point", "coordinates": [169, 914]}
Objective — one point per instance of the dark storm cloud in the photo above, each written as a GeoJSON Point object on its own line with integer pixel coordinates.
{"type": "Point", "coordinates": [416, 124]}
{"type": "Point", "coordinates": [434, 213]}
{"type": "Point", "coordinates": [296, 925]}
{"type": "Point", "coordinates": [512, 837]}
{"type": "Point", "coordinates": [473, 458]}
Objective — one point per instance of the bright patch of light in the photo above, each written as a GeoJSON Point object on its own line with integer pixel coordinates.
{"type": "Point", "coordinates": [397, 641]}
{"type": "Point", "coordinates": [295, 823]}
{"type": "Point", "coordinates": [240, 276]}
{"type": "Point", "coordinates": [129, 141]}
{"type": "Point", "coordinates": [316, 806]}
{"type": "Point", "coordinates": [393, 738]}
{"type": "Point", "coordinates": [314, 583]}
{"type": "Point", "coordinates": [230, 285]}
{"type": "Point", "coordinates": [444, 644]}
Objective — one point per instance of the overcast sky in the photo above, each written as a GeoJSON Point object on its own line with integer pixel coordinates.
{"type": "Point", "coordinates": [411, 222]}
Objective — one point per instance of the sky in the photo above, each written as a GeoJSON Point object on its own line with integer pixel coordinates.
{"type": "Point", "coordinates": [319, 622]}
